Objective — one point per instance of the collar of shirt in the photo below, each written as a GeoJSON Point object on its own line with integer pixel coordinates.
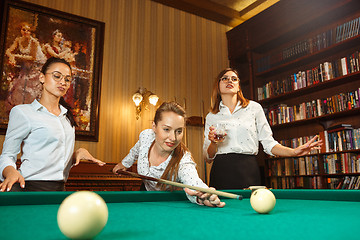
{"type": "Point", "coordinates": [38, 107]}
{"type": "Point", "coordinates": [225, 110]}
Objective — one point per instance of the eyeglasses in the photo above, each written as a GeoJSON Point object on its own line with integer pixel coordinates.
{"type": "Point", "coordinates": [226, 79]}
{"type": "Point", "coordinates": [57, 76]}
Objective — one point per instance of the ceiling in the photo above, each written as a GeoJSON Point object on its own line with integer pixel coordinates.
{"type": "Point", "coordinates": [227, 12]}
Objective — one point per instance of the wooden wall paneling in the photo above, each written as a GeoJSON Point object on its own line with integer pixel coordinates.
{"type": "Point", "coordinates": [170, 52]}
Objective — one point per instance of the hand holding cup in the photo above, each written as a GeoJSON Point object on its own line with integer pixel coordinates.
{"type": "Point", "coordinates": [217, 133]}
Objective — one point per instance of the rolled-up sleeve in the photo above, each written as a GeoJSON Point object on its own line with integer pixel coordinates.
{"type": "Point", "coordinates": [188, 175]}
{"type": "Point", "coordinates": [207, 142]}
{"type": "Point", "coordinates": [133, 155]}
{"type": "Point", "coordinates": [17, 130]}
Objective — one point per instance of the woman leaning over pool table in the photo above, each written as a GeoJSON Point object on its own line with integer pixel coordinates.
{"type": "Point", "coordinates": [160, 153]}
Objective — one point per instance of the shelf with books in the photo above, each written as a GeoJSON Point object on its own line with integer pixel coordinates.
{"type": "Point", "coordinates": [339, 157]}
{"type": "Point", "coordinates": [355, 151]}
{"type": "Point", "coordinates": [318, 119]}
{"type": "Point", "coordinates": [284, 89]}
{"type": "Point", "coordinates": [316, 182]}
{"type": "Point", "coordinates": [352, 42]}
{"type": "Point", "coordinates": [346, 182]}
{"type": "Point", "coordinates": [329, 164]}
{"type": "Point", "coordinates": [314, 47]}
{"type": "Point", "coordinates": [298, 182]}
{"type": "Point", "coordinates": [315, 111]}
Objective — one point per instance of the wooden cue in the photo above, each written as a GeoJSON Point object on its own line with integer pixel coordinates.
{"type": "Point", "coordinates": [176, 184]}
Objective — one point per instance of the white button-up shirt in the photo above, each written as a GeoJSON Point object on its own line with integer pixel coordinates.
{"type": "Point", "coordinates": [48, 143]}
{"type": "Point", "coordinates": [245, 128]}
{"type": "Point", "coordinates": [187, 173]}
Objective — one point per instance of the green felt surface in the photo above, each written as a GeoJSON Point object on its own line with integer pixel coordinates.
{"type": "Point", "coordinates": [159, 215]}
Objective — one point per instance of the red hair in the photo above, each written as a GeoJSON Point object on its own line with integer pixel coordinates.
{"type": "Point", "coordinates": [216, 95]}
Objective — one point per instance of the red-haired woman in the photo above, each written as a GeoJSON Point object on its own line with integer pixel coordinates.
{"type": "Point", "coordinates": [234, 156]}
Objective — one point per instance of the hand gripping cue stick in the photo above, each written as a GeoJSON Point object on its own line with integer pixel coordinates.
{"type": "Point", "coordinates": [176, 184]}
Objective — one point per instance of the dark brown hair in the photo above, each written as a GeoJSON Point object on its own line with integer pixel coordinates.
{"type": "Point", "coordinates": [62, 101]}
{"type": "Point", "coordinates": [171, 171]}
{"type": "Point", "coordinates": [216, 96]}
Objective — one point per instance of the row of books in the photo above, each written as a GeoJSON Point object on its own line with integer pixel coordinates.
{"type": "Point", "coordinates": [347, 30]}
{"type": "Point", "coordinates": [313, 44]}
{"type": "Point", "coordinates": [338, 138]}
{"type": "Point", "coordinates": [296, 142]}
{"type": "Point", "coordinates": [347, 182]}
{"type": "Point", "coordinates": [290, 181]}
{"type": "Point", "coordinates": [341, 163]}
{"type": "Point", "coordinates": [342, 139]}
{"type": "Point", "coordinates": [321, 73]}
{"type": "Point", "coordinates": [280, 114]}
{"type": "Point", "coordinates": [296, 183]}
{"type": "Point", "coordinates": [307, 165]}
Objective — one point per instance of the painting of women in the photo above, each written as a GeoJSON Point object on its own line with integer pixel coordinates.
{"type": "Point", "coordinates": [26, 57]}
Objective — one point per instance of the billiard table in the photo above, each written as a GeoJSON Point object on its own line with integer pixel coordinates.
{"type": "Point", "coordinates": [298, 214]}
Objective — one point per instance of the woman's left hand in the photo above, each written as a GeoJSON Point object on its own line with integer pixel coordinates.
{"type": "Point", "coordinates": [83, 154]}
{"type": "Point", "coordinates": [307, 147]}
{"type": "Point", "coordinates": [208, 199]}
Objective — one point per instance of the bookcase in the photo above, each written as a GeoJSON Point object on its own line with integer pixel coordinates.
{"type": "Point", "coordinates": [300, 60]}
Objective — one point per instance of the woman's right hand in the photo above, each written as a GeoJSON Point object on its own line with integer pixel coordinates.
{"type": "Point", "coordinates": [212, 135]}
{"type": "Point", "coordinates": [207, 199]}
{"type": "Point", "coordinates": [11, 176]}
{"type": "Point", "coordinates": [117, 167]}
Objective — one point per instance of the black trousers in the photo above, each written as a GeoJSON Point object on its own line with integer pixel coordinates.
{"type": "Point", "coordinates": [234, 171]}
{"type": "Point", "coordinates": [142, 186]}
{"type": "Point", "coordinates": [36, 186]}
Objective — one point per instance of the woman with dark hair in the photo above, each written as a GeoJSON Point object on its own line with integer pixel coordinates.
{"type": "Point", "coordinates": [54, 48]}
{"type": "Point", "coordinates": [160, 153]}
{"type": "Point", "coordinates": [45, 132]}
{"type": "Point", "coordinates": [244, 122]}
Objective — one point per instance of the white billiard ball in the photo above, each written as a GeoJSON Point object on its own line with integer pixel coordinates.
{"type": "Point", "coordinates": [82, 215]}
{"type": "Point", "coordinates": [262, 200]}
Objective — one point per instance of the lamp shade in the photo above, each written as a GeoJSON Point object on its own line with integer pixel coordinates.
{"type": "Point", "coordinates": [137, 98]}
{"type": "Point", "coordinates": [153, 99]}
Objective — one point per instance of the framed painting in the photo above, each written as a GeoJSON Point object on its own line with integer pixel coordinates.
{"type": "Point", "coordinates": [30, 34]}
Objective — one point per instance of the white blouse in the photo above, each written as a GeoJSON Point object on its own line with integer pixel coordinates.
{"type": "Point", "coordinates": [187, 173]}
{"type": "Point", "coordinates": [47, 143]}
{"type": "Point", "coordinates": [245, 128]}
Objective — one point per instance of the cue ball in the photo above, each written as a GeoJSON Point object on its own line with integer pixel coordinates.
{"type": "Point", "coordinates": [82, 215]}
{"type": "Point", "coordinates": [262, 200]}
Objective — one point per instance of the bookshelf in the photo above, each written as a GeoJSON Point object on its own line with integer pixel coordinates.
{"type": "Point", "coordinates": [301, 61]}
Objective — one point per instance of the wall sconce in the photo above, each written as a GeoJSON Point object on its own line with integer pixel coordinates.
{"type": "Point", "coordinates": [142, 98]}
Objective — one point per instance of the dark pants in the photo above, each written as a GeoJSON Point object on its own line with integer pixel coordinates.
{"type": "Point", "coordinates": [36, 186]}
{"type": "Point", "coordinates": [142, 187]}
{"type": "Point", "coordinates": [234, 171]}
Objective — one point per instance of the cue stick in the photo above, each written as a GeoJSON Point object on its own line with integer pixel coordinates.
{"type": "Point", "coordinates": [176, 184]}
